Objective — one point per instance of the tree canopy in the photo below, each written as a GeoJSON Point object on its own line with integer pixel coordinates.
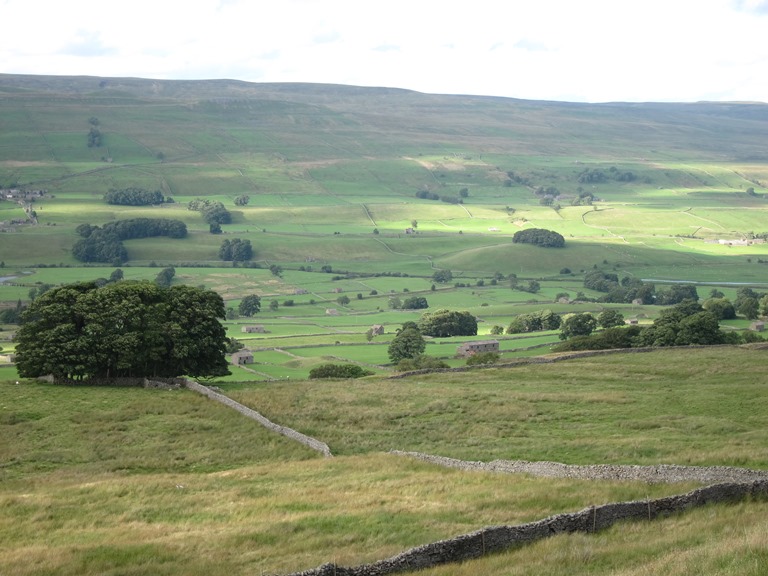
{"type": "Point", "coordinates": [539, 237]}
{"type": "Point", "coordinates": [124, 329]}
{"type": "Point", "coordinates": [250, 305]}
{"type": "Point", "coordinates": [445, 323]}
{"type": "Point", "coordinates": [409, 343]}
{"type": "Point", "coordinates": [133, 196]}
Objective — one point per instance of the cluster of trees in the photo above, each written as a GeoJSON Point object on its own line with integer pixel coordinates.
{"type": "Point", "coordinates": [539, 237]}
{"type": "Point", "coordinates": [236, 250]}
{"type": "Point", "coordinates": [534, 322]}
{"type": "Point", "coordinates": [446, 323]}
{"type": "Point", "coordinates": [427, 195]}
{"type": "Point", "coordinates": [124, 329]}
{"type": "Point", "coordinates": [94, 134]}
{"type": "Point", "coordinates": [630, 289]}
{"type": "Point", "coordinates": [415, 303]}
{"type": "Point", "coordinates": [214, 213]}
{"type": "Point", "coordinates": [598, 175]}
{"type": "Point", "coordinates": [242, 200]}
{"type": "Point", "coordinates": [685, 323]}
{"type": "Point", "coordinates": [134, 197]}
{"type": "Point", "coordinates": [748, 302]}
{"type": "Point", "coordinates": [12, 315]}
{"type": "Point", "coordinates": [105, 244]}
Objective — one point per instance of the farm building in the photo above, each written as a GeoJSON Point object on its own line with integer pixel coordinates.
{"type": "Point", "coordinates": [377, 329]}
{"type": "Point", "coordinates": [254, 329]}
{"type": "Point", "coordinates": [758, 326]}
{"type": "Point", "coordinates": [242, 357]}
{"type": "Point", "coordinates": [471, 348]}
{"type": "Point", "coordinates": [9, 358]}
{"type": "Point", "coordinates": [331, 312]}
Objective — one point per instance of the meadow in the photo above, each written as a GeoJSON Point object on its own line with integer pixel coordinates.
{"type": "Point", "coordinates": [162, 482]}
{"type": "Point", "coordinates": [123, 481]}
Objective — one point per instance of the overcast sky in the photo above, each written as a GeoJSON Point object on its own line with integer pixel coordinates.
{"type": "Point", "coordinates": [574, 50]}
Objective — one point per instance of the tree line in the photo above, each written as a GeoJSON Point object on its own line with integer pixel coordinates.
{"type": "Point", "coordinates": [133, 196]}
{"type": "Point", "coordinates": [105, 244]}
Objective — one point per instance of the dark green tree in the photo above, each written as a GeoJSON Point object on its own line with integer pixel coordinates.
{"type": "Point", "coordinates": [578, 325]}
{"type": "Point", "coordinates": [408, 343]}
{"type": "Point", "coordinates": [442, 276]}
{"type": "Point", "coordinates": [242, 200]}
{"type": "Point", "coordinates": [609, 318]}
{"type": "Point", "coordinates": [445, 323]}
{"type": "Point", "coordinates": [415, 303]}
{"type": "Point", "coordinates": [249, 305]}
{"type": "Point", "coordinates": [721, 307]}
{"type": "Point", "coordinates": [165, 276]}
{"type": "Point", "coordinates": [123, 329]}
{"type": "Point", "coordinates": [701, 328]}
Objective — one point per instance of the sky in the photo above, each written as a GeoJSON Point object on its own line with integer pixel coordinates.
{"type": "Point", "coordinates": [566, 50]}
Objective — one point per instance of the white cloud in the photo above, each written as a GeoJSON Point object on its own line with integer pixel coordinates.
{"type": "Point", "coordinates": [593, 50]}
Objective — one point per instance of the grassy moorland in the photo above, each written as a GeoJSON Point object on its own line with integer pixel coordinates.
{"type": "Point", "coordinates": [166, 482]}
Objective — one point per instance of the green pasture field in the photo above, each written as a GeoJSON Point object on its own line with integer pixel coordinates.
{"type": "Point", "coordinates": [130, 479]}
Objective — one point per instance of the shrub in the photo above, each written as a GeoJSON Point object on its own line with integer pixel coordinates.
{"type": "Point", "coordinates": [338, 371]}
{"type": "Point", "coordinates": [483, 358]}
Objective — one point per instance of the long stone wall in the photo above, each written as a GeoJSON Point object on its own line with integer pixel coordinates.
{"type": "Point", "coordinates": [660, 473]}
{"type": "Point", "coordinates": [498, 538]}
{"type": "Point", "coordinates": [264, 421]}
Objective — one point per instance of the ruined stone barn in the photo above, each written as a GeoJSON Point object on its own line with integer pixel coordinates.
{"type": "Point", "coordinates": [254, 329]}
{"type": "Point", "coordinates": [471, 348]}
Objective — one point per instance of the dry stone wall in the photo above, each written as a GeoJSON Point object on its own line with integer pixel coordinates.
{"type": "Point", "coordinates": [264, 421]}
{"type": "Point", "coordinates": [498, 538]}
{"type": "Point", "coordinates": [661, 473]}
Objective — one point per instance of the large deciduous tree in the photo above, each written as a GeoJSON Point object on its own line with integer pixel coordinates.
{"type": "Point", "coordinates": [409, 343]}
{"type": "Point", "coordinates": [446, 323]}
{"type": "Point", "coordinates": [249, 305]}
{"type": "Point", "coordinates": [578, 325]}
{"type": "Point", "coordinates": [124, 329]}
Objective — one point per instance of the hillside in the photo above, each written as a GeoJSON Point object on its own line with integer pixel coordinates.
{"type": "Point", "coordinates": [382, 188]}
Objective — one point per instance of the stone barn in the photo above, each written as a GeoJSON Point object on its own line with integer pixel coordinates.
{"type": "Point", "coordinates": [377, 329]}
{"type": "Point", "coordinates": [471, 348]}
{"type": "Point", "coordinates": [242, 357]}
{"type": "Point", "coordinates": [255, 329]}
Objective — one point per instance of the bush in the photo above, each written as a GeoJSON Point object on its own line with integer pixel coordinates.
{"type": "Point", "coordinates": [483, 358]}
{"type": "Point", "coordinates": [338, 371]}
{"type": "Point", "coordinates": [420, 362]}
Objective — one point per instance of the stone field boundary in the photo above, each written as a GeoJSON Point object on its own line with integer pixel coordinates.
{"type": "Point", "coordinates": [727, 484]}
